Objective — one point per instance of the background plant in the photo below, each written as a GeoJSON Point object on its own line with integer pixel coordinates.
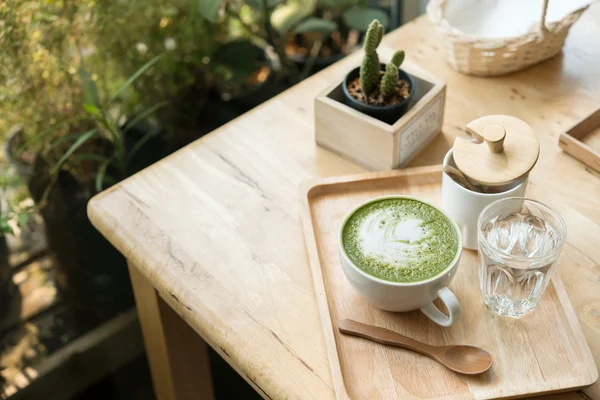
{"type": "Point", "coordinates": [107, 126]}
{"type": "Point", "coordinates": [39, 54]}
{"type": "Point", "coordinates": [269, 22]}
{"type": "Point", "coordinates": [16, 208]}
{"type": "Point", "coordinates": [130, 33]}
{"type": "Point", "coordinates": [57, 83]}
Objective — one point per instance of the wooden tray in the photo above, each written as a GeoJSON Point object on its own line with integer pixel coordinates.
{"type": "Point", "coordinates": [544, 351]}
{"type": "Point", "coordinates": [571, 141]}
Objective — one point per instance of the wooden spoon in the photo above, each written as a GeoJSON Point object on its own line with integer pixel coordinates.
{"type": "Point", "coordinates": [467, 360]}
{"type": "Point", "coordinates": [460, 178]}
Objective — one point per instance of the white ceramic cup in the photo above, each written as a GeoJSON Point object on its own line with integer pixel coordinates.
{"type": "Point", "coordinates": [398, 296]}
{"type": "Point", "coordinates": [464, 205]}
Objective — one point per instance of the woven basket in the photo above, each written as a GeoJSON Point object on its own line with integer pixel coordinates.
{"type": "Point", "coordinates": [489, 57]}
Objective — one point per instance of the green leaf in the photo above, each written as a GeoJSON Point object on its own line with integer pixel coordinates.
{"type": "Point", "coordinates": [100, 175]}
{"type": "Point", "coordinates": [143, 115]}
{"type": "Point", "coordinates": [359, 18]}
{"type": "Point", "coordinates": [289, 15]}
{"type": "Point", "coordinates": [90, 90]}
{"type": "Point", "coordinates": [5, 227]}
{"type": "Point", "coordinates": [84, 137]}
{"type": "Point", "coordinates": [314, 24]}
{"type": "Point", "coordinates": [91, 109]}
{"type": "Point", "coordinates": [64, 139]}
{"type": "Point", "coordinates": [210, 9]}
{"type": "Point", "coordinates": [136, 75]}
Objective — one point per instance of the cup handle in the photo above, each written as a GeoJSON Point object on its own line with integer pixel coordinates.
{"type": "Point", "coordinates": [451, 303]}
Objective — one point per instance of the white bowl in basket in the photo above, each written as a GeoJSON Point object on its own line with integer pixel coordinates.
{"type": "Point", "coordinates": [473, 55]}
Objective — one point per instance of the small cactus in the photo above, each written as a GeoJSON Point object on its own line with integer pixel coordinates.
{"type": "Point", "coordinates": [398, 58]}
{"type": "Point", "coordinates": [389, 81]}
{"type": "Point", "coordinates": [369, 69]}
{"type": "Point", "coordinates": [390, 77]}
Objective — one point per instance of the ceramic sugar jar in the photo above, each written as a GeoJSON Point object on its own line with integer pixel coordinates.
{"type": "Point", "coordinates": [495, 164]}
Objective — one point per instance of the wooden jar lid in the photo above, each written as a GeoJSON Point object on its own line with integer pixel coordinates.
{"type": "Point", "coordinates": [507, 149]}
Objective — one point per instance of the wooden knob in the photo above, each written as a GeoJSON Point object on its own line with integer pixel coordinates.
{"type": "Point", "coordinates": [504, 150]}
{"type": "Point", "coordinates": [494, 136]}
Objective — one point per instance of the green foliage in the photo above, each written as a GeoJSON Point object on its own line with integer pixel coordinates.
{"type": "Point", "coordinates": [135, 76]}
{"type": "Point", "coordinates": [39, 87]}
{"type": "Point", "coordinates": [131, 33]}
{"type": "Point", "coordinates": [16, 208]}
{"type": "Point", "coordinates": [359, 18]}
{"type": "Point", "coordinates": [210, 9]}
{"type": "Point", "coordinates": [389, 80]}
{"type": "Point", "coordinates": [318, 25]}
{"type": "Point", "coordinates": [5, 228]}
{"type": "Point", "coordinates": [106, 126]}
{"type": "Point", "coordinates": [79, 141]}
{"type": "Point", "coordinates": [91, 101]}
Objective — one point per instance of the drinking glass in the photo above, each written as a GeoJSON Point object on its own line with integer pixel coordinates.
{"type": "Point", "coordinates": [519, 242]}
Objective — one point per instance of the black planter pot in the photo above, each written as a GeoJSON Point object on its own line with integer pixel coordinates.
{"type": "Point", "coordinates": [387, 114]}
{"type": "Point", "coordinates": [93, 275]}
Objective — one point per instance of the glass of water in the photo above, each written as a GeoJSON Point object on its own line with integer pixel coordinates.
{"type": "Point", "coordinates": [519, 242]}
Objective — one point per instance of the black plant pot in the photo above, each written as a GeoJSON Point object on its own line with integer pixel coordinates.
{"type": "Point", "coordinates": [387, 114]}
{"type": "Point", "coordinates": [93, 275]}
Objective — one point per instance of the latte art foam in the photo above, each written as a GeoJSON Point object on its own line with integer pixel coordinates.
{"type": "Point", "coordinates": [400, 239]}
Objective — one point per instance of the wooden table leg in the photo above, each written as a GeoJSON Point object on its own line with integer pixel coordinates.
{"type": "Point", "coordinates": [178, 357]}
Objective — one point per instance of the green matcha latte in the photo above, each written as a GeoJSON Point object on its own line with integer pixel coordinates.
{"type": "Point", "coordinates": [400, 240]}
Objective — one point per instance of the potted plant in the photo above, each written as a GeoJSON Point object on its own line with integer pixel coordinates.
{"type": "Point", "coordinates": [380, 116]}
{"type": "Point", "coordinates": [37, 98]}
{"type": "Point", "coordinates": [70, 170]}
{"type": "Point", "coordinates": [296, 35]}
{"type": "Point", "coordinates": [130, 33]}
{"type": "Point", "coordinates": [320, 33]}
{"type": "Point", "coordinates": [73, 106]}
{"type": "Point", "coordinates": [379, 90]}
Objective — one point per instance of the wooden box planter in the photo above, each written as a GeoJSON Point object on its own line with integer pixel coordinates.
{"type": "Point", "coordinates": [375, 144]}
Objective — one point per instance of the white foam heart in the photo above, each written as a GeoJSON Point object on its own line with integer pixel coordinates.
{"type": "Point", "coordinates": [394, 238]}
